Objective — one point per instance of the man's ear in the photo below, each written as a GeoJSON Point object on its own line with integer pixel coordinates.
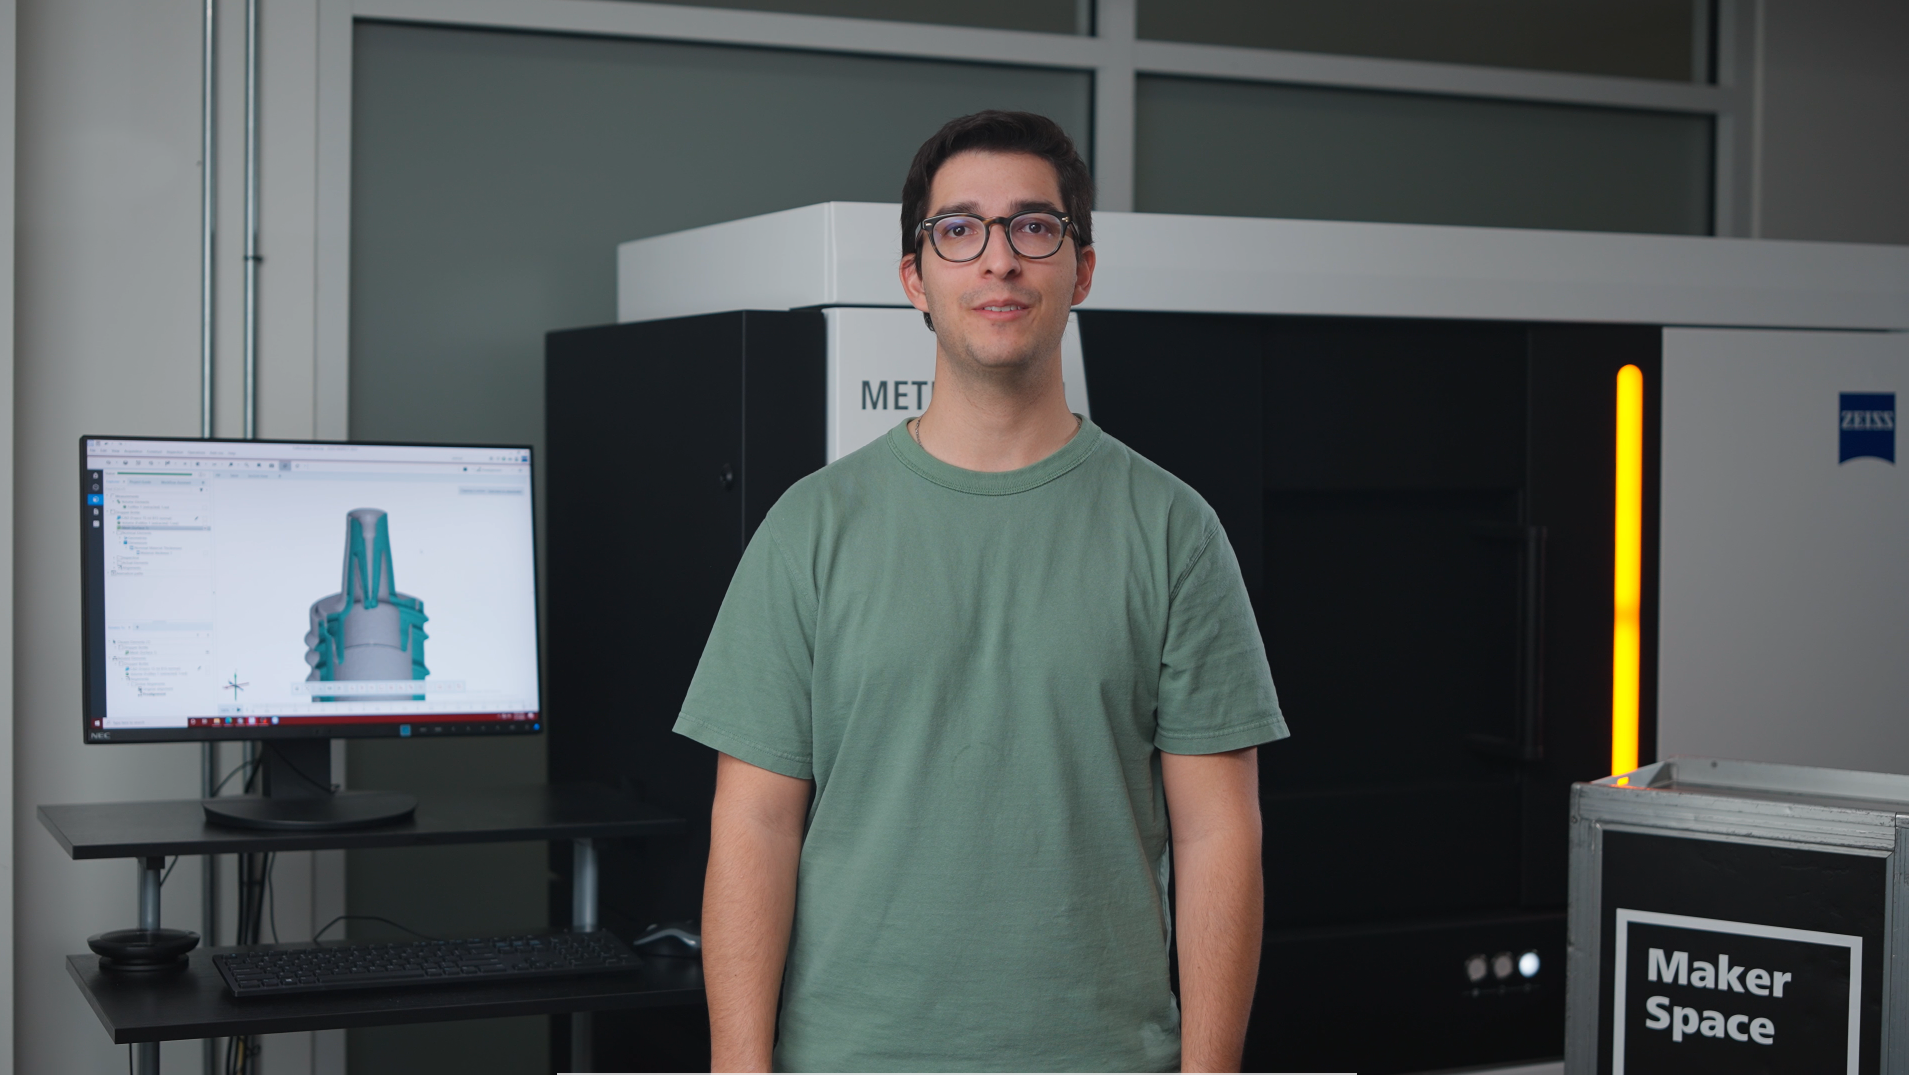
{"type": "Point", "coordinates": [911, 283]}
{"type": "Point", "coordinates": [1083, 276]}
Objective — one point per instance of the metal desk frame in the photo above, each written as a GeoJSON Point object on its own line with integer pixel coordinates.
{"type": "Point", "coordinates": [150, 856]}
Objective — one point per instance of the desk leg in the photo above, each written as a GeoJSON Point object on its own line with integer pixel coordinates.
{"type": "Point", "coordinates": [583, 919]}
{"type": "Point", "coordinates": [150, 870]}
{"type": "Point", "coordinates": [209, 879]}
{"type": "Point", "coordinates": [146, 1053]}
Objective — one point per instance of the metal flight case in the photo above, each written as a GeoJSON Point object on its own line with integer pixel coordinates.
{"type": "Point", "coordinates": [1738, 917]}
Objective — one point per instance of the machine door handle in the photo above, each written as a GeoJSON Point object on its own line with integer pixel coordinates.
{"type": "Point", "coordinates": [1527, 744]}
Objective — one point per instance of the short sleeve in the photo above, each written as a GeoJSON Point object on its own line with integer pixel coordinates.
{"type": "Point", "coordinates": [750, 697]}
{"type": "Point", "coordinates": [1216, 691]}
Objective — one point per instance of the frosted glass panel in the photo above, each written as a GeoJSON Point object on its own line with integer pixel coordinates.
{"type": "Point", "coordinates": [493, 175]}
{"type": "Point", "coordinates": [1663, 39]}
{"type": "Point", "coordinates": [1254, 149]}
{"type": "Point", "coordinates": [1050, 16]}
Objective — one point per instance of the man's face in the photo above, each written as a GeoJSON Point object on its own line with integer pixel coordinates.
{"type": "Point", "coordinates": [1000, 312]}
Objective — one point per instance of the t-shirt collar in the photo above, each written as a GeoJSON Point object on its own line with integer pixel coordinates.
{"type": "Point", "coordinates": [994, 483]}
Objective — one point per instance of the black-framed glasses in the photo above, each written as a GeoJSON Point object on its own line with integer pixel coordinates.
{"type": "Point", "coordinates": [1034, 234]}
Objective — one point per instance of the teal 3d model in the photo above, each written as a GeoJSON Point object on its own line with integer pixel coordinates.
{"type": "Point", "coordinates": [368, 630]}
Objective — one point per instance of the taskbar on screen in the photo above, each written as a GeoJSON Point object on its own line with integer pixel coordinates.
{"type": "Point", "coordinates": [433, 724]}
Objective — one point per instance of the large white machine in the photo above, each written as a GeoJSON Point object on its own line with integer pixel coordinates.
{"type": "Point", "coordinates": [1783, 575]}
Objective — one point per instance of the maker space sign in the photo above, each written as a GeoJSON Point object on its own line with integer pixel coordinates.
{"type": "Point", "coordinates": [1699, 995]}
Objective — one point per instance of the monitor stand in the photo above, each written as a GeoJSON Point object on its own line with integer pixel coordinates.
{"type": "Point", "coordinates": [297, 795]}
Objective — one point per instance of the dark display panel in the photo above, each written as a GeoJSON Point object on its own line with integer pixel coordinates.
{"type": "Point", "coordinates": [1425, 509]}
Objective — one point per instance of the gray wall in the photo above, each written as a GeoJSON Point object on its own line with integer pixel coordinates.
{"type": "Point", "coordinates": [107, 338]}
{"type": "Point", "coordinates": [8, 23]}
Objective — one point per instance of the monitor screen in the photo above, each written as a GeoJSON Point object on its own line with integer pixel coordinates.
{"type": "Point", "coordinates": [278, 589]}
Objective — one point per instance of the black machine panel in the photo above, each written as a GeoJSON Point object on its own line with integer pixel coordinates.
{"type": "Point", "coordinates": [1423, 513]}
{"type": "Point", "coordinates": [1430, 507]}
{"type": "Point", "coordinates": [668, 441]}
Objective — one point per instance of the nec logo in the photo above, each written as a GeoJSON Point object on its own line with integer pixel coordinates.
{"type": "Point", "coordinates": [1866, 426]}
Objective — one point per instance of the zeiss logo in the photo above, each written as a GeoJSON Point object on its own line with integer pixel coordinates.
{"type": "Point", "coordinates": [1866, 426]}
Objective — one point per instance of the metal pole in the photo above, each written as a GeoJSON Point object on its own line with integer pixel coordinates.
{"type": "Point", "coordinates": [209, 882]}
{"type": "Point", "coordinates": [146, 1053]}
{"type": "Point", "coordinates": [150, 870]}
{"type": "Point", "coordinates": [583, 919]}
{"type": "Point", "coordinates": [251, 216]}
{"type": "Point", "coordinates": [208, 230]}
{"type": "Point", "coordinates": [208, 864]}
{"type": "Point", "coordinates": [583, 887]}
{"type": "Point", "coordinates": [208, 210]}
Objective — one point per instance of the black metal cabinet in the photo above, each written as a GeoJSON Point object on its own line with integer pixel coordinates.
{"type": "Point", "coordinates": [667, 442]}
{"type": "Point", "coordinates": [1424, 513]}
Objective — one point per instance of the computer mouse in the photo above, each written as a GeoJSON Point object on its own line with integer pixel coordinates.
{"type": "Point", "coordinates": [670, 940]}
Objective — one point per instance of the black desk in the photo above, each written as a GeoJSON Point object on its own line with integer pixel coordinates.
{"type": "Point", "coordinates": [194, 1002]}
{"type": "Point", "coordinates": [540, 812]}
{"type": "Point", "coordinates": [142, 1010]}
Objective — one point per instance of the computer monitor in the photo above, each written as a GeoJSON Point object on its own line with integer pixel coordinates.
{"type": "Point", "coordinates": [293, 592]}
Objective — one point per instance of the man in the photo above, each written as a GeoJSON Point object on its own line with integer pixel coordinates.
{"type": "Point", "coordinates": [960, 682]}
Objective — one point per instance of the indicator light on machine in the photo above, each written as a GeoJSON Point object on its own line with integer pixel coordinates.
{"type": "Point", "coordinates": [1528, 964]}
{"type": "Point", "coordinates": [1628, 571]}
{"type": "Point", "coordinates": [1501, 966]}
{"type": "Point", "coordinates": [1475, 968]}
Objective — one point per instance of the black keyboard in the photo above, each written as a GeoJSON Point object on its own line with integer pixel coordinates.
{"type": "Point", "coordinates": [336, 965]}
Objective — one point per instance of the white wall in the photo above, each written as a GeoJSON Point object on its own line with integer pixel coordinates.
{"type": "Point", "coordinates": [106, 339]}
{"type": "Point", "coordinates": [106, 334]}
{"type": "Point", "coordinates": [6, 533]}
{"type": "Point", "coordinates": [1785, 573]}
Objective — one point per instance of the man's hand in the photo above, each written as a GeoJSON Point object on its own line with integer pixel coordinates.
{"type": "Point", "coordinates": [1219, 896]}
{"type": "Point", "coordinates": [755, 843]}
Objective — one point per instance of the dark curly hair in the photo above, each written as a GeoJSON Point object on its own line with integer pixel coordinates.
{"type": "Point", "coordinates": [999, 132]}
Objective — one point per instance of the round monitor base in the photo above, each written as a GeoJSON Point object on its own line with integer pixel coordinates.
{"type": "Point", "coordinates": [143, 949]}
{"type": "Point", "coordinates": [344, 810]}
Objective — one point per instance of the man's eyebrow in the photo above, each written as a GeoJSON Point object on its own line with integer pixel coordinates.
{"type": "Point", "coordinates": [1030, 205]}
{"type": "Point", "coordinates": [1040, 205]}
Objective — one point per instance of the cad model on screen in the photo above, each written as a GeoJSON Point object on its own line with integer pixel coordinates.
{"type": "Point", "coordinates": [367, 630]}
{"type": "Point", "coordinates": [219, 598]}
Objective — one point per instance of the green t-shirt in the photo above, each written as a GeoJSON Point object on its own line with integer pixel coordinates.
{"type": "Point", "coordinates": [978, 671]}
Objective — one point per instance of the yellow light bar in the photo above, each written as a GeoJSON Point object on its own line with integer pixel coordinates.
{"type": "Point", "coordinates": [1627, 596]}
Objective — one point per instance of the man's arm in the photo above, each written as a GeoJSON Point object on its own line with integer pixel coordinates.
{"type": "Point", "coordinates": [1213, 806]}
{"type": "Point", "coordinates": [755, 843]}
